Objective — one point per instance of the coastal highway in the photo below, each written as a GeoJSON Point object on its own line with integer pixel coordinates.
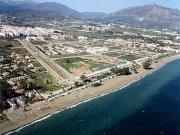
{"type": "Point", "coordinates": [56, 70]}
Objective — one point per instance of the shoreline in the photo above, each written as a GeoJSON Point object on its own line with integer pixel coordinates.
{"type": "Point", "coordinates": [75, 98]}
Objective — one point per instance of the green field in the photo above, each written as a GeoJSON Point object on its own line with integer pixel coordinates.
{"type": "Point", "coordinates": [9, 46]}
{"type": "Point", "coordinates": [11, 43]}
{"type": "Point", "coordinates": [69, 63]}
{"type": "Point", "coordinates": [20, 50]}
{"type": "Point", "coordinates": [112, 54]}
{"type": "Point", "coordinates": [94, 65]}
{"type": "Point", "coordinates": [130, 57]}
{"type": "Point", "coordinates": [46, 82]}
{"type": "Point", "coordinates": [37, 64]}
{"type": "Point", "coordinates": [38, 42]}
{"type": "Point", "coordinates": [74, 62]}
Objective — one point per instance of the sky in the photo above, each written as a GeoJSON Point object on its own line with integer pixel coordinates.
{"type": "Point", "coordinates": [112, 5]}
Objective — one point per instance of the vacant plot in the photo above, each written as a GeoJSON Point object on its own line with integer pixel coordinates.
{"type": "Point", "coordinates": [37, 64]}
{"type": "Point", "coordinates": [130, 57]}
{"type": "Point", "coordinates": [19, 50]}
{"type": "Point", "coordinates": [69, 63]}
{"type": "Point", "coordinates": [94, 65]}
{"type": "Point", "coordinates": [10, 43]}
{"type": "Point", "coordinates": [38, 42]}
{"type": "Point", "coordinates": [112, 54]}
{"type": "Point", "coordinates": [79, 65]}
{"type": "Point", "coordinates": [45, 82]}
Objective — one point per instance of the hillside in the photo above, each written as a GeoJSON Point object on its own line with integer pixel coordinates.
{"type": "Point", "coordinates": [47, 10]}
{"type": "Point", "coordinates": [151, 16]}
{"type": "Point", "coordinates": [147, 16]}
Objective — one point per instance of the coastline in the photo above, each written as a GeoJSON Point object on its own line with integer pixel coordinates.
{"type": "Point", "coordinates": [74, 98]}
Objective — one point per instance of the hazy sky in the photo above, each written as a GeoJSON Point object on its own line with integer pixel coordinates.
{"type": "Point", "coordinates": [112, 5]}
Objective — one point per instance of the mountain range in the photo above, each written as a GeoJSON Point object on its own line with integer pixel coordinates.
{"type": "Point", "coordinates": [151, 16]}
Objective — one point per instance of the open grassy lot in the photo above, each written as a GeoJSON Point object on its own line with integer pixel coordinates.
{"type": "Point", "coordinates": [37, 64]}
{"type": "Point", "coordinates": [8, 42]}
{"type": "Point", "coordinates": [45, 82]}
{"type": "Point", "coordinates": [20, 50]}
{"type": "Point", "coordinates": [38, 42]}
{"type": "Point", "coordinates": [8, 46]}
{"type": "Point", "coordinates": [130, 57]}
{"type": "Point", "coordinates": [77, 62]}
{"type": "Point", "coordinates": [94, 65]}
{"type": "Point", "coordinates": [69, 63]}
{"type": "Point", "coordinates": [112, 54]}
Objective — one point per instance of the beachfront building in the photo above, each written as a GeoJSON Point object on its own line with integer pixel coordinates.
{"type": "Point", "coordinates": [12, 103]}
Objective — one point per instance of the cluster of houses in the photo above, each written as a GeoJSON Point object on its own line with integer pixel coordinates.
{"type": "Point", "coordinates": [52, 50]}
{"type": "Point", "coordinates": [132, 45]}
{"type": "Point", "coordinates": [100, 27]}
{"type": "Point", "coordinates": [15, 31]}
{"type": "Point", "coordinates": [13, 72]}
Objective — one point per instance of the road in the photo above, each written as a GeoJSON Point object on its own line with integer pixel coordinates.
{"type": "Point", "coordinates": [56, 70]}
{"type": "Point", "coordinates": [99, 72]}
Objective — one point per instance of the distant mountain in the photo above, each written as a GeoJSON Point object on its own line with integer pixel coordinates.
{"type": "Point", "coordinates": [153, 16]}
{"type": "Point", "coordinates": [31, 10]}
{"type": "Point", "coordinates": [92, 15]}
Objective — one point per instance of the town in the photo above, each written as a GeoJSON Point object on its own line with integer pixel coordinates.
{"type": "Point", "coordinates": [42, 63]}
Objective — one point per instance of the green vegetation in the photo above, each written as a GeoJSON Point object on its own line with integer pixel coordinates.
{"type": "Point", "coordinates": [5, 93]}
{"type": "Point", "coordinates": [8, 46]}
{"type": "Point", "coordinates": [121, 71]}
{"type": "Point", "coordinates": [37, 64]}
{"type": "Point", "coordinates": [112, 54]}
{"type": "Point", "coordinates": [20, 50]}
{"type": "Point", "coordinates": [45, 82]}
{"type": "Point", "coordinates": [147, 64]}
{"type": "Point", "coordinates": [74, 62]}
{"type": "Point", "coordinates": [130, 57]}
{"type": "Point", "coordinates": [38, 42]}
{"type": "Point", "coordinates": [12, 43]}
{"type": "Point", "coordinates": [68, 63]}
{"type": "Point", "coordinates": [2, 69]}
{"type": "Point", "coordinates": [94, 65]}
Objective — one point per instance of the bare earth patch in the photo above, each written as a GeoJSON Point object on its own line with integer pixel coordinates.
{"type": "Point", "coordinates": [81, 70]}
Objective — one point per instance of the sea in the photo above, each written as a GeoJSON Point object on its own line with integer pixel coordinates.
{"type": "Point", "coordinates": [150, 106]}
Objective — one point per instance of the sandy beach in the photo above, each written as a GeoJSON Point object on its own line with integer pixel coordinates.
{"type": "Point", "coordinates": [18, 118]}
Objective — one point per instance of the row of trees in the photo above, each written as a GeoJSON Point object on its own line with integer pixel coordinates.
{"type": "Point", "coordinates": [116, 71]}
{"type": "Point", "coordinates": [147, 64]}
{"type": "Point", "coordinates": [121, 71]}
{"type": "Point", "coordinates": [5, 93]}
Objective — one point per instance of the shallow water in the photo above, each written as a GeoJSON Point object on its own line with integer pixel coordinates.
{"type": "Point", "coordinates": [150, 106]}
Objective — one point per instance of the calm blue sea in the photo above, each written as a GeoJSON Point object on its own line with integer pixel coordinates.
{"type": "Point", "coordinates": [150, 106]}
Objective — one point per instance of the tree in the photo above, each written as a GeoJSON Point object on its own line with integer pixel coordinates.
{"type": "Point", "coordinates": [77, 84]}
{"type": "Point", "coordinates": [124, 71]}
{"type": "Point", "coordinates": [22, 84]}
{"type": "Point", "coordinates": [134, 68]}
{"type": "Point", "coordinates": [97, 84]}
{"type": "Point", "coordinates": [114, 70]}
{"type": "Point", "coordinates": [147, 64]}
{"type": "Point", "coordinates": [84, 79]}
{"type": "Point", "coordinates": [5, 93]}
